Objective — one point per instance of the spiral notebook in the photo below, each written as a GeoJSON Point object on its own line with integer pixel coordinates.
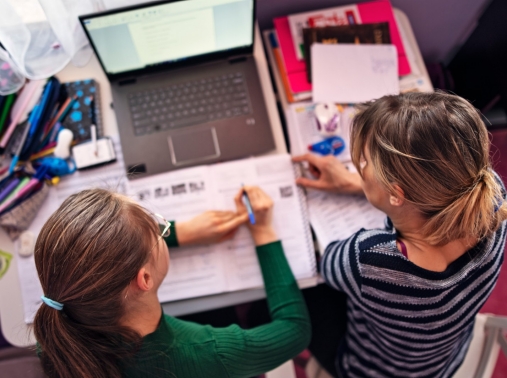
{"type": "Point", "coordinates": [231, 265]}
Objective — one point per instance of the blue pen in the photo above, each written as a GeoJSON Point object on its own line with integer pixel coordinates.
{"type": "Point", "coordinates": [38, 111]}
{"type": "Point", "coordinates": [248, 205]}
{"type": "Point", "coordinates": [15, 158]}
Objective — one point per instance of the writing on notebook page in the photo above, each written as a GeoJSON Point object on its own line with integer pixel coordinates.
{"type": "Point", "coordinates": [231, 265]}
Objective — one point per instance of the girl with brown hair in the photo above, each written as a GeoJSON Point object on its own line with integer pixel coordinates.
{"type": "Point", "coordinates": [100, 259]}
{"type": "Point", "coordinates": [414, 287]}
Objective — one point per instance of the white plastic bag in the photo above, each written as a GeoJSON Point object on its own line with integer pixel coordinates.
{"type": "Point", "coordinates": [32, 45]}
{"type": "Point", "coordinates": [43, 36]}
{"type": "Point", "coordinates": [11, 80]}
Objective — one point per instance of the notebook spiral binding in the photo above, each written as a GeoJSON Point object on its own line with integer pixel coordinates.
{"type": "Point", "coordinates": [306, 218]}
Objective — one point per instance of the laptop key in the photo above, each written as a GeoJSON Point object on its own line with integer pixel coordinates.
{"type": "Point", "coordinates": [189, 121]}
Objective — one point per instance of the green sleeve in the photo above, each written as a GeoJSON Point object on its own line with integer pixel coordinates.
{"type": "Point", "coordinates": [251, 352]}
{"type": "Point", "coordinates": [172, 239]}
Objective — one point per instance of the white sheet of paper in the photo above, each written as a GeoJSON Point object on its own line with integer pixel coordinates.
{"type": "Point", "coordinates": [348, 73]}
{"type": "Point", "coordinates": [337, 216]}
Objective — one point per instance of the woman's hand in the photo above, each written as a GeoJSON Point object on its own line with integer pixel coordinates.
{"type": "Point", "coordinates": [330, 175]}
{"type": "Point", "coordinates": [262, 205]}
{"type": "Point", "coordinates": [209, 227]}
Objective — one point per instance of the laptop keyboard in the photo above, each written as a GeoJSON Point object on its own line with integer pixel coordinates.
{"type": "Point", "coordinates": [189, 103]}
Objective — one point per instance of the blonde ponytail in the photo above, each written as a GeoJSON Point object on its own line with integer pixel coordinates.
{"type": "Point", "coordinates": [477, 212]}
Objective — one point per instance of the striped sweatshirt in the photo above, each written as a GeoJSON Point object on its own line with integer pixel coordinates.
{"type": "Point", "coordinates": [403, 320]}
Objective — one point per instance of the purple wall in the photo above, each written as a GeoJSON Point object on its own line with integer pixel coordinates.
{"type": "Point", "coordinates": [440, 26]}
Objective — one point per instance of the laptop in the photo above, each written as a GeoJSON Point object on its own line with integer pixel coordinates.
{"type": "Point", "coordinates": [184, 81]}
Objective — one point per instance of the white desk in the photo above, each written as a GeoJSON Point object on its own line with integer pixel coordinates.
{"type": "Point", "coordinates": [14, 329]}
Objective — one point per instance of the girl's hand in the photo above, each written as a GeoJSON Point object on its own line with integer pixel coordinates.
{"type": "Point", "coordinates": [262, 205]}
{"type": "Point", "coordinates": [209, 227]}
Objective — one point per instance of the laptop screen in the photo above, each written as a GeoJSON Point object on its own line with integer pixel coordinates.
{"type": "Point", "coordinates": [134, 39]}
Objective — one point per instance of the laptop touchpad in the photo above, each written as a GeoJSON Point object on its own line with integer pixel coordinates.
{"type": "Point", "coordinates": [194, 146]}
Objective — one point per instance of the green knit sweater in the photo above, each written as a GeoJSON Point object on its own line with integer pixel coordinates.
{"type": "Point", "coordinates": [183, 349]}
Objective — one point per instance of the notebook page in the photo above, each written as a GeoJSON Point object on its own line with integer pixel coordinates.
{"type": "Point", "coordinates": [275, 175]}
{"type": "Point", "coordinates": [338, 216]}
{"type": "Point", "coordinates": [181, 195]}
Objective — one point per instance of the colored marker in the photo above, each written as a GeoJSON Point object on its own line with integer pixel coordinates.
{"type": "Point", "coordinates": [8, 189]}
{"type": "Point", "coordinates": [12, 197]}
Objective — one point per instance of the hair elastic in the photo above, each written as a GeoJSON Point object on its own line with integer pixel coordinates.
{"type": "Point", "coordinates": [51, 303]}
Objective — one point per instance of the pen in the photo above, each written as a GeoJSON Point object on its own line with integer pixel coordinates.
{"type": "Point", "coordinates": [26, 95]}
{"type": "Point", "coordinates": [93, 127]}
{"type": "Point", "coordinates": [12, 197]}
{"type": "Point", "coordinates": [15, 158]}
{"type": "Point", "coordinates": [67, 109]}
{"type": "Point", "coordinates": [8, 189]}
{"type": "Point", "coordinates": [57, 117]}
{"type": "Point", "coordinates": [93, 130]}
{"type": "Point", "coordinates": [41, 172]}
{"type": "Point", "coordinates": [248, 205]}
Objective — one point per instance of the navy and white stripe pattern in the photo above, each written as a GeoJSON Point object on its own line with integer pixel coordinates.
{"type": "Point", "coordinates": [403, 320]}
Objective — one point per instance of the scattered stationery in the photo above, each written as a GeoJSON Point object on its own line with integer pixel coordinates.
{"type": "Point", "coordinates": [5, 107]}
{"type": "Point", "coordinates": [357, 34]}
{"type": "Point", "coordinates": [21, 107]}
{"type": "Point", "coordinates": [279, 71]}
{"type": "Point", "coordinates": [304, 130]}
{"type": "Point", "coordinates": [353, 73]}
{"type": "Point", "coordinates": [289, 30]}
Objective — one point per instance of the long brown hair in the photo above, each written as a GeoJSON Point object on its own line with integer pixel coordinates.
{"type": "Point", "coordinates": [86, 255]}
{"type": "Point", "coordinates": [435, 147]}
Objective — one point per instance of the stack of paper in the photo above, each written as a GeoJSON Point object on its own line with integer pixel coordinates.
{"type": "Point", "coordinates": [289, 38]}
{"type": "Point", "coordinates": [353, 73]}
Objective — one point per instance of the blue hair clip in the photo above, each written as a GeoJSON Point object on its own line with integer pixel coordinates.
{"type": "Point", "coordinates": [51, 303]}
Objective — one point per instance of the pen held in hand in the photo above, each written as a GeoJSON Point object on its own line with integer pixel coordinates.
{"type": "Point", "coordinates": [248, 205]}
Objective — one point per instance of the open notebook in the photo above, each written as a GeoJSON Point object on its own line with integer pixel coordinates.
{"type": "Point", "coordinates": [231, 265]}
{"type": "Point", "coordinates": [180, 195]}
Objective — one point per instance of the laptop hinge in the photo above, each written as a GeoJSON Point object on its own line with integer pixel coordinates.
{"type": "Point", "coordinates": [127, 82]}
{"type": "Point", "coordinates": [237, 59]}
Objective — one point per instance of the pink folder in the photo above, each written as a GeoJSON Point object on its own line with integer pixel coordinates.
{"type": "Point", "coordinates": [371, 12]}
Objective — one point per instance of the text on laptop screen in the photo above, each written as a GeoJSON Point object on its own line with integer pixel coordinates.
{"type": "Point", "coordinates": [135, 39]}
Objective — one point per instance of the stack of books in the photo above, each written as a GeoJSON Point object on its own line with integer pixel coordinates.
{"type": "Point", "coordinates": [370, 22]}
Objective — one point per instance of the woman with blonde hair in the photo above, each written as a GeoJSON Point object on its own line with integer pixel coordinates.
{"type": "Point", "coordinates": [101, 259]}
{"type": "Point", "coordinates": [414, 287]}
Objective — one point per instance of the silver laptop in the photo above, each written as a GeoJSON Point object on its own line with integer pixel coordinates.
{"type": "Point", "coordinates": [184, 81]}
